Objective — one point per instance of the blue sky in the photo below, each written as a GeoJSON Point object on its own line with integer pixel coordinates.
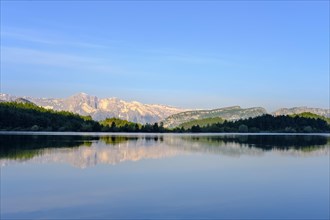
{"type": "Point", "coordinates": [189, 54]}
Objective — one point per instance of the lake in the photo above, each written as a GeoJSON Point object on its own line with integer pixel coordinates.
{"type": "Point", "coordinates": [164, 176]}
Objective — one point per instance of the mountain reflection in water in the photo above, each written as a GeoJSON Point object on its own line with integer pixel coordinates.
{"type": "Point", "coordinates": [85, 151]}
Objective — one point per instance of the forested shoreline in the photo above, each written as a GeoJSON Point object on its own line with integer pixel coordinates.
{"type": "Point", "coordinates": [15, 116]}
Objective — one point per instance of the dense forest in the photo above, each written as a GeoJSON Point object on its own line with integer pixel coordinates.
{"type": "Point", "coordinates": [15, 116]}
{"type": "Point", "coordinates": [30, 117]}
{"type": "Point", "coordinates": [119, 125]}
{"type": "Point", "coordinates": [268, 123]}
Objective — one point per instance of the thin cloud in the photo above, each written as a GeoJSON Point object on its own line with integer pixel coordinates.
{"type": "Point", "coordinates": [45, 58]}
{"type": "Point", "coordinates": [40, 37]}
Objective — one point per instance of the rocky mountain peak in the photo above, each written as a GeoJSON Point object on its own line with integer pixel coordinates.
{"type": "Point", "coordinates": [101, 108]}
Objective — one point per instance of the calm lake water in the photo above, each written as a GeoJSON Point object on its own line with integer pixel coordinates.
{"type": "Point", "coordinates": [77, 175]}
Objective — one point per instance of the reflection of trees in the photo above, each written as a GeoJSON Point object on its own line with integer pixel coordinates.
{"type": "Point", "coordinates": [27, 146]}
{"type": "Point", "coordinates": [237, 145]}
{"type": "Point", "coordinates": [113, 140]}
{"type": "Point", "coordinates": [200, 145]}
{"type": "Point", "coordinates": [84, 151]}
{"type": "Point", "coordinates": [266, 142]}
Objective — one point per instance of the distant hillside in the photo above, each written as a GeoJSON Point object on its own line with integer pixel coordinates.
{"type": "Point", "coordinates": [312, 115]}
{"type": "Point", "coordinates": [25, 116]}
{"type": "Point", "coordinates": [298, 110]}
{"type": "Point", "coordinates": [201, 122]}
{"type": "Point", "coordinates": [229, 113]}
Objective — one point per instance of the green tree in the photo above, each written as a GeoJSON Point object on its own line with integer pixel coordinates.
{"type": "Point", "coordinates": [243, 128]}
{"type": "Point", "coordinates": [195, 128]}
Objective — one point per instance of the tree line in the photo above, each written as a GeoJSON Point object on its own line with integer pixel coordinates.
{"type": "Point", "coordinates": [268, 123]}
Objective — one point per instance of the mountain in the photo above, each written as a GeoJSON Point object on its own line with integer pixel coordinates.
{"type": "Point", "coordinates": [102, 108]}
{"type": "Point", "coordinates": [228, 113]}
{"type": "Point", "coordinates": [299, 110]}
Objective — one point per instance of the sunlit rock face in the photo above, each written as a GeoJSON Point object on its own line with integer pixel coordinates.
{"type": "Point", "coordinates": [118, 149]}
{"type": "Point", "coordinates": [228, 113]}
{"type": "Point", "coordinates": [102, 108]}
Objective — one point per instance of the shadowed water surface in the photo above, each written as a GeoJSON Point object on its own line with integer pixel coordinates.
{"type": "Point", "coordinates": [78, 175]}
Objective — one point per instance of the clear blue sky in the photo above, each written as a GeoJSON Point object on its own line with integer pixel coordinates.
{"type": "Point", "coordinates": [188, 54]}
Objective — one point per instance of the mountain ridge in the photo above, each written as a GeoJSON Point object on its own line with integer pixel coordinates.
{"type": "Point", "coordinates": [134, 111]}
{"type": "Point", "coordinates": [102, 108]}
{"type": "Point", "coordinates": [227, 113]}
{"type": "Point", "coordinates": [302, 109]}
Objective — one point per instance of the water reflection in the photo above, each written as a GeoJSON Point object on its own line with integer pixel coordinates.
{"type": "Point", "coordinates": [268, 142]}
{"type": "Point", "coordinates": [85, 151]}
{"type": "Point", "coordinates": [236, 145]}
